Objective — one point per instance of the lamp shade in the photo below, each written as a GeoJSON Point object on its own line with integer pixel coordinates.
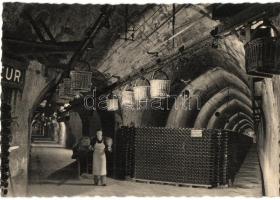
{"type": "Point", "coordinates": [81, 77]}
{"type": "Point", "coordinates": [127, 97]}
{"type": "Point", "coordinates": [141, 91]}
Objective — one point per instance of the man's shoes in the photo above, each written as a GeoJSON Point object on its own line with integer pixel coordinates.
{"type": "Point", "coordinates": [103, 184]}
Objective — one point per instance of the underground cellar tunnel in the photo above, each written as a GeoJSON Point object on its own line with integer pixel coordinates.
{"type": "Point", "coordinates": [146, 100]}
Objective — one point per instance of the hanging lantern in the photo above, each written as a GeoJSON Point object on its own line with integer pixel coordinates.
{"type": "Point", "coordinates": [263, 51]}
{"type": "Point", "coordinates": [127, 97]}
{"type": "Point", "coordinates": [64, 91]}
{"type": "Point", "coordinates": [67, 87]}
{"type": "Point", "coordinates": [81, 80]}
{"type": "Point", "coordinates": [141, 92]}
{"type": "Point", "coordinates": [160, 88]}
{"type": "Point", "coordinates": [112, 103]}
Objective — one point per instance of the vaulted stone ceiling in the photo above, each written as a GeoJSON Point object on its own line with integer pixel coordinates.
{"type": "Point", "coordinates": [152, 25]}
{"type": "Point", "coordinates": [68, 23]}
{"type": "Point", "coordinates": [159, 32]}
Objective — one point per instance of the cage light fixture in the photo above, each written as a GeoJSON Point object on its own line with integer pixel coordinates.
{"type": "Point", "coordinates": [81, 79]}
{"type": "Point", "coordinates": [262, 52]}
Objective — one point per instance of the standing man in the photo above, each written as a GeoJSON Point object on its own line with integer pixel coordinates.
{"type": "Point", "coordinates": [99, 170]}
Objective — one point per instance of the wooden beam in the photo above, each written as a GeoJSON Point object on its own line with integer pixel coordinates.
{"type": "Point", "coordinates": [225, 11]}
{"type": "Point", "coordinates": [253, 13]}
{"type": "Point", "coordinates": [35, 26]}
{"type": "Point", "coordinates": [47, 30]}
{"type": "Point", "coordinates": [21, 47]}
{"type": "Point", "coordinates": [106, 11]}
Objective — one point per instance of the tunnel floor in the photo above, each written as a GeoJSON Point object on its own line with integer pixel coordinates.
{"type": "Point", "coordinates": [53, 173]}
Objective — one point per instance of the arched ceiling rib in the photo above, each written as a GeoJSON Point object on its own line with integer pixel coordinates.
{"type": "Point", "coordinates": [216, 101]}
{"type": "Point", "coordinates": [235, 118]}
{"type": "Point", "coordinates": [225, 111]}
{"type": "Point", "coordinates": [221, 58]}
{"type": "Point", "coordinates": [244, 127]}
{"type": "Point", "coordinates": [241, 123]}
{"type": "Point", "coordinates": [201, 90]}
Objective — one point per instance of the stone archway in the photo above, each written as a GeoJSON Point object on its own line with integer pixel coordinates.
{"type": "Point", "coordinates": [241, 123]}
{"type": "Point", "coordinates": [222, 97]}
{"type": "Point", "coordinates": [235, 118]}
{"type": "Point", "coordinates": [230, 108]}
{"type": "Point", "coordinates": [25, 102]}
{"type": "Point", "coordinates": [200, 91]}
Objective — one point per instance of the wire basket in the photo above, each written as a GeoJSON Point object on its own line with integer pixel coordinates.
{"type": "Point", "coordinates": [81, 81]}
{"type": "Point", "coordinates": [127, 97]}
{"type": "Point", "coordinates": [65, 90]}
{"type": "Point", "coordinates": [141, 91]}
{"type": "Point", "coordinates": [160, 88]}
{"type": "Point", "coordinates": [262, 54]}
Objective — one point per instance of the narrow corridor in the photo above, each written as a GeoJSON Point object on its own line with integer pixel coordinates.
{"type": "Point", "coordinates": [164, 99]}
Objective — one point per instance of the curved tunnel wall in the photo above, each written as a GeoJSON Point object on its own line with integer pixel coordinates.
{"type": "Point", "coordinates": [234, 65]}
{"type": "Point", "coordinates": [223, 66]}
{"type": "Point", "coordinates": [235, 118]}
{"type": "Point", "coordinates": [201, 90]}
{"type": "Point", "coordinates": [243, 128]}
{"type": "Point", "coordinates": [222, 97]}
{"type": "Point", "coordinates": [241, 123]}
{"type": "Point", "coordinates": [226, 110]}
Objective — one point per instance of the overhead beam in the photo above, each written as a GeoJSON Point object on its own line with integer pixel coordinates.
{"type": "Point", "coordinates": [47, 30]}
{"type": "Point", "coordinates": [35, 26]}
{"type": "Point", "coordinates": [253, 13]}
{"type": "Point", "coordinates": [21, 47]}
{"type": "Point", "coordinates": [224, 11]}
{"type": "Point", "coordinates": [100, 22]}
